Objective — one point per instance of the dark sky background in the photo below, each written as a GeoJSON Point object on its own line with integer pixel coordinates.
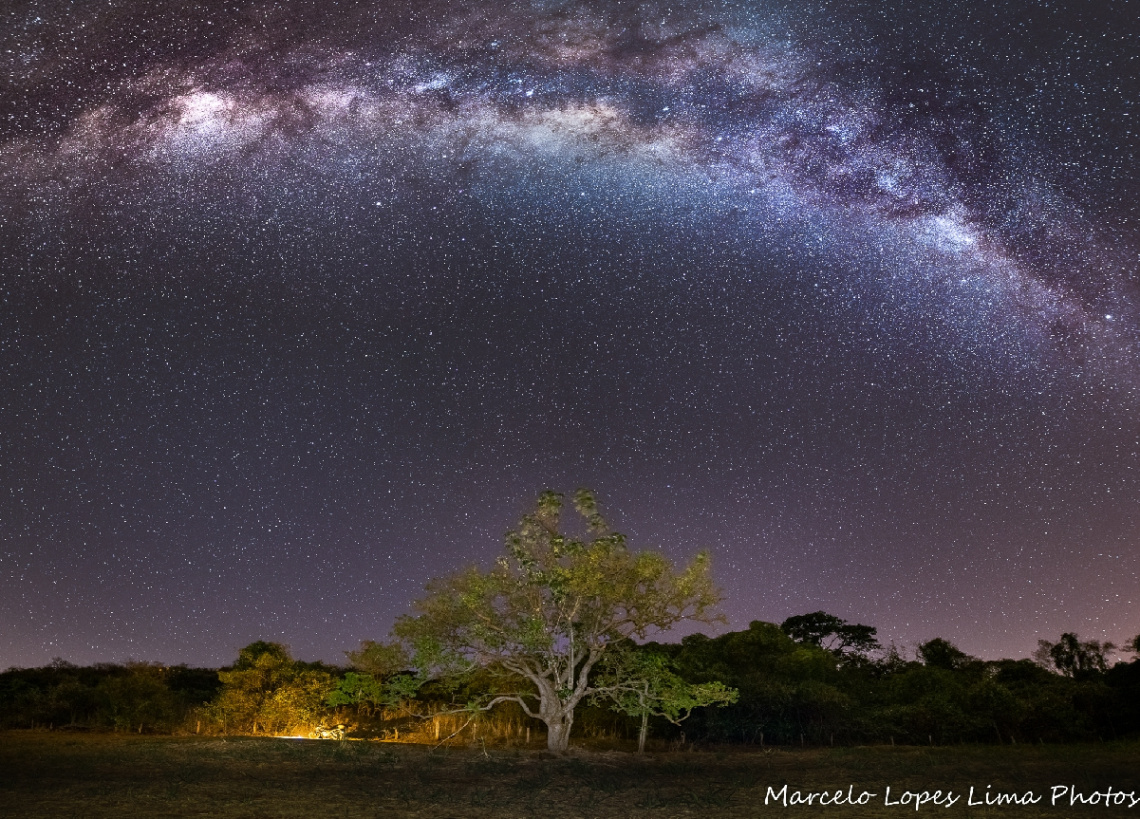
{"type": "Point", "coordinates": [303, 303]}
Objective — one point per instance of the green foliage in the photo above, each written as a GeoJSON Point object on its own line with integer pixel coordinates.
{"type": "Point", "coordinates": [358, 690]}
{"type": "Point", "coordinates": [786, 689]}
{"type": "Point", "coordinates": [940, 653]}
{"type": "Point", "coordinates": [785, 692]}
{"type": "Point", "coordinates": [828, 631]}
{"type": "Point", "coordinates": [261, 654]}
{"type": "Point", "coordinates": [1074, 657]}
{"type": "Point", "coordinates": [268, 691]}
{"type": "Point", "coordinates": [641, 683]}
{"type": "Point", "coordinates": [380, 659]}
{"type": "Point", "coordinates": [131, 696]}
{"type": "Point", "coordinates": [793, 692]}
{"type": "Point", "coordinates": [139, 697]}
{"type": "Point", "coordinates": [540, 621]}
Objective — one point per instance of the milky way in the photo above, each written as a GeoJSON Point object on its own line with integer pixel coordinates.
{"type": "Point", "coordinates": [303, 304]}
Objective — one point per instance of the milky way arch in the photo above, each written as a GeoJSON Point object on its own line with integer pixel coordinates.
{"type": "Point", "coordinates": [856, 153]}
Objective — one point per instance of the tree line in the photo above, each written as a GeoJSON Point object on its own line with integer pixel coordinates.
{"type": "Point", "coordinates": [555, 639]}
{"type": "Point", "coordinates": [790, 692]}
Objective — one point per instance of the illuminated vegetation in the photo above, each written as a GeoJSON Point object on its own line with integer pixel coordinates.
{"type": "Point", "coordinates": [552, 641]}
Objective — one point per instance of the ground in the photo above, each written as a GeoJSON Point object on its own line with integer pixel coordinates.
{"type": "Point", "coordinates": [104, 775]}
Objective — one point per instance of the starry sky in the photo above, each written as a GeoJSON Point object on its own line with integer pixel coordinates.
{"type": "Point", "coordinates": [303, 303]}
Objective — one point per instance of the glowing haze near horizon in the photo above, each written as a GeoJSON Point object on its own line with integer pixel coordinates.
{"type": "Point", "coordinates": [304, 303]}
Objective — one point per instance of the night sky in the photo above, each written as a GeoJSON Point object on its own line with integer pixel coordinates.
{"type": "Point", "coordinates": [303, 303]}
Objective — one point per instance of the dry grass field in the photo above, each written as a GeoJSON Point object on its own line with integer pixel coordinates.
{"type": "Point", "coordinates": [103, 775]}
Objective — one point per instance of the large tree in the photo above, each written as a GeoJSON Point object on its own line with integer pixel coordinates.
{"type": "Point", "coordinates": [539, 622]}
{"type": "Point", "coordinates": [1073, 656]}
{"type": "Point", "coordinates": [843, 639]}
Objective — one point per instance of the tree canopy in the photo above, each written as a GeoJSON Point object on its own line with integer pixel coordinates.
{"type": "Point", "coordinates": [267, 690]}
{"type": "Point", "coordinates": [941, 653]}
{"type": "Point", "coordinates": [540, 621]}
{"type": "Point", "coordinates": [1073, 656]}
{"type": "Point", "coordinates": [841, 638]}
{"type": "Point", "coordinates": [642, 683]}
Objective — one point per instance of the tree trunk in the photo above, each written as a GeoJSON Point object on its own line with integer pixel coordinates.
{"type": "Point", "coordinates": [558, 733]}
{"type": "Point", "coordinates": [643, 733]}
